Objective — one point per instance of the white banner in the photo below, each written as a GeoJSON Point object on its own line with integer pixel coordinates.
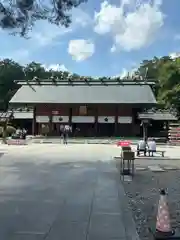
{"type": "Point", "coordinates": [60, 119]}
{"type": "Point", "coordinates": [106, 119]}
{"type": "Point", "coordinates": [83, 119]}
{"type": "Point", "coordinates": [125, 120]}
{"type": "Point", "coordinates": [23, 115]}
{"type": "Point", "coordinates": [42, 119]}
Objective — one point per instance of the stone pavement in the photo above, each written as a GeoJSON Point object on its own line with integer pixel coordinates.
{"type": "Point", "coordinates": [85, 140]}
{"type": "Point", "coordinates": [73, 140]}
{"type": "Point", "coordinates": [62, 193]}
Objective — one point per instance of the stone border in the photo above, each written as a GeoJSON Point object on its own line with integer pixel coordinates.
{"type": "Point", "coordinates": [128, 221]}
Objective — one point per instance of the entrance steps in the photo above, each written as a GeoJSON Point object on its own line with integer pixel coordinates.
{"type": "Point", "coordinates": [75, 141]}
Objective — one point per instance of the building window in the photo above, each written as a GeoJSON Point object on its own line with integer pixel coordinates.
{"type": "Point", "coordinates": [82, 110]}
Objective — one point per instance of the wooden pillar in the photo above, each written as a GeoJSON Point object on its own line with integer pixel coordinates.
{"type": "Point", "coordinates": [167, 125]}
{"type": "Point", "coordinates": [145, 127]}
{"type": "Point", "coordinates": [70, 116]}
{"type": "Point", "coordinates": [50, 124]}
{"type": "Point", "coordinates": [34, 130]}
{"type": "Point", "coordinates": [96, 122]}
{"type": "Point", "coordinates": [116, 122]}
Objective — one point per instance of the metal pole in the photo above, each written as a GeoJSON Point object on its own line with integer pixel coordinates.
{"type": "Point", "coordinates": [144, 131]}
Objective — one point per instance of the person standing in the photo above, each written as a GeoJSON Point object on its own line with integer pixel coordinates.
{"type": "Point", "coordinates": [24, 133]}
{"type": "Point", "coordinates": [61, 130]}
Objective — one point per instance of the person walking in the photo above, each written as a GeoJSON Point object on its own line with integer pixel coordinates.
{"type": "Point", "coordinates": [66, 133]}
{"type": "Point", "coordinates": [61, 130]}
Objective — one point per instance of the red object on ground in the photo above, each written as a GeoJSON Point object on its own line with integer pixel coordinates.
{"type": "Point", "coordinates": [123, 143]}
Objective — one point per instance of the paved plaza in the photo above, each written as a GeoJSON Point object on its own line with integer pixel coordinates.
{"type": "Point", "coordinates": [57, 192]}
{"type": "Point", "coordinates": [51, 191]}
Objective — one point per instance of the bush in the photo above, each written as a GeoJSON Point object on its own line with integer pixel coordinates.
{"type": "Point", "coordinates": [9, 131]}
{"type": "Point", "coordinates": [44, 129]}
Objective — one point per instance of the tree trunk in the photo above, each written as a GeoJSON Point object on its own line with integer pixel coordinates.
{"type": "Point", "coordinates": [5, 133]}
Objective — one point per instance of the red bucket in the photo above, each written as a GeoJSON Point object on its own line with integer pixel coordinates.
{"type": "Point", "coordinates": [123, 143]}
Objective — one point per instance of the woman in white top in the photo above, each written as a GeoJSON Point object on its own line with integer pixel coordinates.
{"type": "Point", "coordinates": [151, 146]}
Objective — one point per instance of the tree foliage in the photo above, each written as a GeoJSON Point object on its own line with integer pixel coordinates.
{"type": "Point", "coordinates": [20, 15]}
{"type": "Point", "coordinates": [166, 72]}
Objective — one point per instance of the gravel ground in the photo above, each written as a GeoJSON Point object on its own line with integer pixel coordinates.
{"type": "Point", "coordinates": [143, 194]}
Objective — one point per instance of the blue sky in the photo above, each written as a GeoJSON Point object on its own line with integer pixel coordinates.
{"type": "Point", "coordinates": [105, 37]}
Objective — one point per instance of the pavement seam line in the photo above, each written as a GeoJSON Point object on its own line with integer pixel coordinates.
{"type": "Point", "coordinates": [50, 228]}
{"type": "Point", "coordinates": [91, 209]}
{"type": "Point", "coordinates": [126, 213]}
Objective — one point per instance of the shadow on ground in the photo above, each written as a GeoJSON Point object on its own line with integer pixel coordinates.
{"type": "Point", "coordinates": [143, 193]}
{"type": "Point", "coordinates": [74, 200]}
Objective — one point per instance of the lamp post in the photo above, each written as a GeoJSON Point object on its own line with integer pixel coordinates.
{"type": "Point", "coordinates": [145, 123]}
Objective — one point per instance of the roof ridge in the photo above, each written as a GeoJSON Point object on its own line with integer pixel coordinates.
{"type": "Point", "coordinates": [86, 83]}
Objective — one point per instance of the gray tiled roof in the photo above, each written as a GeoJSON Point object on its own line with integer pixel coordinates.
{"type": "Point", "coordinates": [158, 116]}
{"type": "Point", "coordinates": [84, 94]}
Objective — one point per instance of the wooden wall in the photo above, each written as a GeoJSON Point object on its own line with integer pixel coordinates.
{"type": "Point", "coordinates": [92, 110]}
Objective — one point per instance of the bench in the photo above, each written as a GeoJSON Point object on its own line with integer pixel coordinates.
{"type": "Point", "coordinates": [157, 152]}
{"type": "Point", "coordinates": [149, 152]}
{"type": "Point", "coordinates": [140, 151]}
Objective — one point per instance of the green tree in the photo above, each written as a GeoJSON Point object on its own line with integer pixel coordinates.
{"type": "Point", "coordinates": [169, 84]}
{"type": "Point", "coordinates": [22, 14]}
{"type": "Point", "coordinates": [34, 69]}
{"type": "Point", "coordinates": [166, 72]}
{"type": "Point", "coordinates": [9, 71]}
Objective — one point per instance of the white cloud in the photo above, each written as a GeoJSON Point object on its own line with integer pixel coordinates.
{"type": "Point", "coordinates": [131, 28]}
{"type": "Point", "coordinates": [56, 67]}
{"type": "Point", "coordinates": [81, 49]}
{"type": "Point", "coordinates": [174, 55]}
{"type": "Point", "coordinates": [125, 72]}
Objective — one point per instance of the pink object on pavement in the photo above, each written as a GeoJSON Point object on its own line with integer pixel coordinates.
{"type": "Point", "coordinates": [123, 143]}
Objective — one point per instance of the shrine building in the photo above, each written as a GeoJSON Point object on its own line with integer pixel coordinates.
{"type": "Point", "coordinates": [98, 108]}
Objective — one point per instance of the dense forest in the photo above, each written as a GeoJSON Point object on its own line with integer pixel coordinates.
{"type": "Point", "coordinates": [165, 71]}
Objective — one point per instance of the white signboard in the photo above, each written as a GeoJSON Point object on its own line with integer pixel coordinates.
{"type": "Point", "coordinates": [83, 119]}
{"type": "Point", "coordinates": [60, 119]}
{"type": "Point", "coordinates": [106, 119]}
{"type": "Point", "coordinates": [42, 119]}
{"type": "Point", "coordinates": [23, 115]}
{"type": "Point", "coordinates": [125, 120]}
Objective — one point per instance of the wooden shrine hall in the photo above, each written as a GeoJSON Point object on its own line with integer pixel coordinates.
{"type": "Point", "coordinates": [95, 107]}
